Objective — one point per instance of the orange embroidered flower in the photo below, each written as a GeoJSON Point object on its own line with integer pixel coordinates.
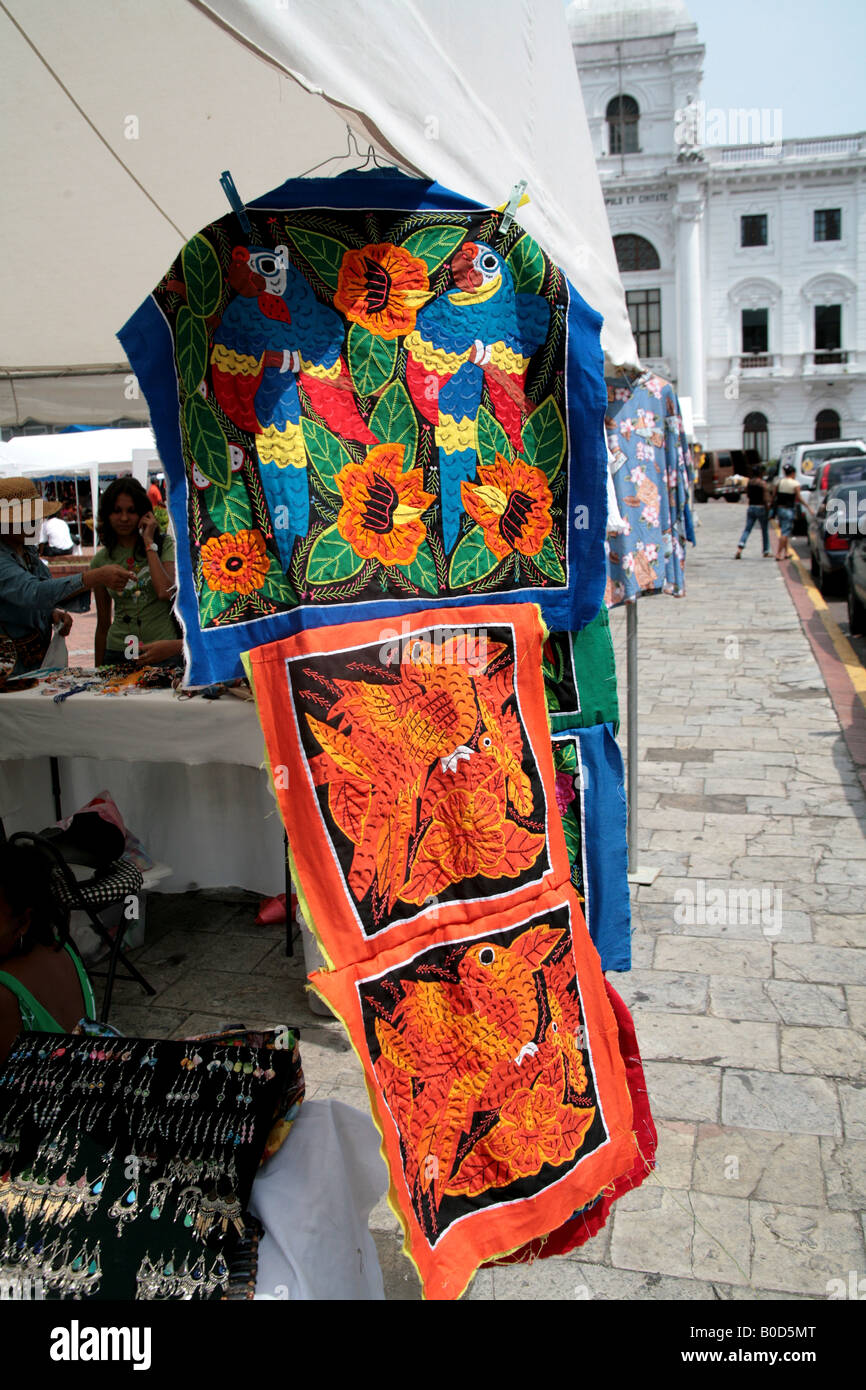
{"type": "Point", "coordinates": [235, 564]}
{"type": "Point", "coordinates": [467, 837]}
{"type": "Point", "coordinates": [512, 504]}
{"type": "Point", "coordinates": [382, 506]}
{"type": "Point", "coordinates": [382, 287]}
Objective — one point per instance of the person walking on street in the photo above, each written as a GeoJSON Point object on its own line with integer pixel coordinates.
{"type": "Point", "coordinates": [758, 495]}
{"type": "Point", "coordinates": [786, 497]}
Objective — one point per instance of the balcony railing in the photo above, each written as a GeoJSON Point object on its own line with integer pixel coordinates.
{"type": "Point", "coordinates": [824, 362]}
{"type": "Point", "coordinates": [789, 149]}
{"type": "Point", "coordinates": [755, 362]}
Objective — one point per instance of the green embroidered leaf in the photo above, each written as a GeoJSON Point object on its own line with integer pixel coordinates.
{"type": "Point", "coordinates": [211, 604]}
{"type": "Point", "coordinates": [526, 263]}
{"type": "Point", "coordinates": [203, 277]}
{"type": "Point", "coordinates": [191, 346]}
{"type": "Point", "coordinates": [471, 560]}
{"type": "Point", "coordinates": [565, 756]}
{"type": "Point", "coordinates": [492, 439]}
{"type": "Point", "coordinates": [324, 451]}
{"type": "Point", "coordinates": [331, 558]}
{"type": "Point", "coordinates": [434, 245]}
{"type": "Point", "coordinates": [571, 826]}
{"type": "Point", "coordinates": [208, 445]}
{"type": "Point", "coordinates": [230, 511]}
{"type": "Point", "coordinates": [277, 586]}
{"type": "Point", "coordinates": [548, 561]}
{"type": "Point", "coordinates": [371, 359]}
{"type": "Point", "coordinates": [422, 571]}
{"type": "Point", "coordinates": [544, 438]}
{"type": "Point", "coordinates": [324, 253]}
{"type": "Point", "coordinates": [394, 422]}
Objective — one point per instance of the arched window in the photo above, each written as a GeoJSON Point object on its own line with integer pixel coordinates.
{"type": "Point", "coordinates": [635, 253]}
{"type": "Point", "coordinates": [756, 434]}
{"type": "Point", "coordinates": [827, 425]}
{"type": "Point", "coordinates": [622, 115]}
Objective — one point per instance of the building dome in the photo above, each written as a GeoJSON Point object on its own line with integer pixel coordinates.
{"type": "Point", "coordinates": [593, 21]}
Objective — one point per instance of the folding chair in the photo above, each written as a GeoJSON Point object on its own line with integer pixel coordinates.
{"type": "Point", "coordinates": [93, 896]}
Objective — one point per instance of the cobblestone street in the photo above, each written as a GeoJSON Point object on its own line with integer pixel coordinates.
{"type": "Point", "coordinates": [749, 982]}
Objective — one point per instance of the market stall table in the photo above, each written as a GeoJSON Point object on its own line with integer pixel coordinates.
{"type": "Point", "coordinates": [187, 775]}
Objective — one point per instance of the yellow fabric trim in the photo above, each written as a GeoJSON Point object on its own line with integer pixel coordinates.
{"type": "Point", "coordinates": [502, 357]}
{"type": "Point", "coordinates": [321, 373]}
{"type": "Point", "coordinates": [433, 358]}
{"type": "Point", "coordinates": [453, 435]}
{"type": "Point", "coordinates": [283, 447]}
{"type": "Point", "coordinates": [237, 363]}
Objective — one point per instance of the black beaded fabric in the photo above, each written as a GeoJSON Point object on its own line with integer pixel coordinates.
{"type": "Point", "coordinates": [126, 1164]}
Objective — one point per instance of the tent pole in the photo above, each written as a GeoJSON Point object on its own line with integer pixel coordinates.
{"type": "Point", "coordinates": [78, 516]}
{"type": "Point", "coordinates": [640, 874]}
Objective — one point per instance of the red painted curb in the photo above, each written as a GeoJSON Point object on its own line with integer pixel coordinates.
{"type": "Point", "coordinates": [846, 702]}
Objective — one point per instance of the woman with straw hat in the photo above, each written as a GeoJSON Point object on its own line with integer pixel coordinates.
{"type": "Point", "coordinates": [29, 598]}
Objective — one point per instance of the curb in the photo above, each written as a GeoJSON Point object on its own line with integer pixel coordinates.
{"type": "Point", "coordinates": [839, 664]}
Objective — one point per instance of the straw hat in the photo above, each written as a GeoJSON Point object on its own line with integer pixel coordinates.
{"type": "Point", "coordinates": [25, 491]}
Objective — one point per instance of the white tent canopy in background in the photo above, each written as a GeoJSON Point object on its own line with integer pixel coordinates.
{"type": "Point", "coordinates": [476, 96]}
{"type": "Point", "coordinates": [86, 452]}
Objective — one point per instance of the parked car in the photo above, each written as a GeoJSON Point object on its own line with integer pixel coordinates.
{"type": "Point", "coordinates": [830, 534]}
{"type": "Point", "coordinates": [724, 473]}
{"type": "Point", "coordinates": [855, 556]}
{"type": "Point", "coordinates": [807, 458]}
{"type": "Point", "coordinates": [842, 470]}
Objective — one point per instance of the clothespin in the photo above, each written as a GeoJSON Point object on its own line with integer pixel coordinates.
{"type": "Point", "coordinates": [227, 184]}
{"type": "Point", "coordinates": [516, 199]}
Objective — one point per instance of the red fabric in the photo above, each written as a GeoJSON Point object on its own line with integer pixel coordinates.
{"type": "Point", "coordinates": [585, 1224]}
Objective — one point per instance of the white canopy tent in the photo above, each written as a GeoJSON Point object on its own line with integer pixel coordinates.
{"type": "Point", "coordinates": [93, 453]}
{"type": "Point", "coordinates": [118, 119]}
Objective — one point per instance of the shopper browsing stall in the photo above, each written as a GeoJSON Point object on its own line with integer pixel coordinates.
{"type": "Point", "coordinates": [29, 598]}
{"type": "Point", "coordinates": [131, 538]}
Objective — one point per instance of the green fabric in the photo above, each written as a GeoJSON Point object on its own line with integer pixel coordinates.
{"type": "Point", "coordinates": [138, 613]}
{"type": "Point", "coordinates": [583, 661]}
{"type": "Point", "coordinates": [35, 1018]}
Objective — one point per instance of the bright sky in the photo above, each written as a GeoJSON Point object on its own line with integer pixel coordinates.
{"type": "Point", "coordinates": [804, 57]}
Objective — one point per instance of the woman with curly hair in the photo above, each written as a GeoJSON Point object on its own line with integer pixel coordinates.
{"type": "Point", "coordinates": [43, 984]}
{"type": "Point", "coordinates": [142, 627]}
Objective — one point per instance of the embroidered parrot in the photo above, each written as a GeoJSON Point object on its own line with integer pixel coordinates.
{"type": "Point", "coordinates": [273, 333]}
{"type": "Point", "coordinates": [480, 329]}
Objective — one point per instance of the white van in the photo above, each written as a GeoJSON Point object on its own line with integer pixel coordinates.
{"type": "Point", "coordinates": [806, 457]}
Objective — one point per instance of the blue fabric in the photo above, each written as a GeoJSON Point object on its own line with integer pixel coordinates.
{"type": "Point", "coordinates": [604, 847]}
{"type": "Point", "coordinates": [148, 339]}
{"type": "Point", "coordinates": [651, 474]}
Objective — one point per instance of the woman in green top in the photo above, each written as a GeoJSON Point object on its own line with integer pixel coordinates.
{"type": "Point", "coordinates": [142, 624]}
{"type": "Point", "coordinates": [43, 985]}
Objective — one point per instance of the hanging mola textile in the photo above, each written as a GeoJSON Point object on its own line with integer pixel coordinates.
{"type": "Point", "coordinates": [376, 396]}
{"type": "Point", "coordinates": [651, 469]}
{"type": "Point", "coordinates": [414, 773]}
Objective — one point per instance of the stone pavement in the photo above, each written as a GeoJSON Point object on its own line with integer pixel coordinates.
{"type": "Point", "coordinates": [749, 982]}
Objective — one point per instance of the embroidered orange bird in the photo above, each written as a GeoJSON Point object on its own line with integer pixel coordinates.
{"type": "Point", "coordinates": [446, 1040]}
{"type": "Point", "coordinates": [383, 740]}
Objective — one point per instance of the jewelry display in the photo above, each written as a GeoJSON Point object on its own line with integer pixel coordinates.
{"type": "Point", "coordinates": [126, 1164]}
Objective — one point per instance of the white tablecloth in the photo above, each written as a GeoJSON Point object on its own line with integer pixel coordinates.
{"type": "Point", "coordinates": [314, 1199]}
{"type": "Point", "coordinates": [186, 775]}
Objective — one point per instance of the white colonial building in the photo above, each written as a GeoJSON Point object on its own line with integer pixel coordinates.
{"type": "Point", "coordinates": [742, 253]}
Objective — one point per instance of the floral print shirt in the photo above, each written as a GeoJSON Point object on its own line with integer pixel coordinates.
{"type": "Point", "coordinates": [651, 471]}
